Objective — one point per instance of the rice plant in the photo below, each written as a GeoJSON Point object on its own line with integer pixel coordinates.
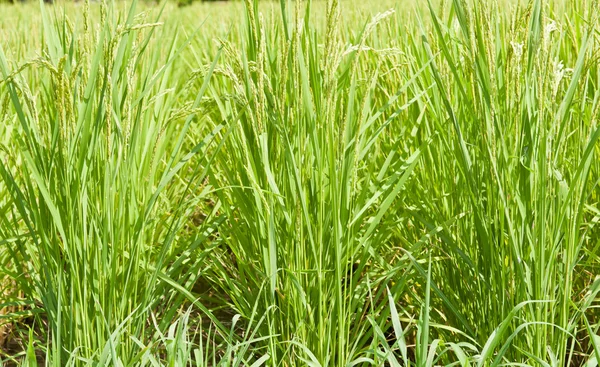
{"type": "Point", "coordinates": [291, 183]}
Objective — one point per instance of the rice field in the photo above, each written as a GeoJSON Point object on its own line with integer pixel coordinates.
{"type": "Point", "coordinates": [325, 183]}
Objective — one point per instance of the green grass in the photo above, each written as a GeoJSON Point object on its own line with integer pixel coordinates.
{"type": "Point", "coordinates": [321, 183]}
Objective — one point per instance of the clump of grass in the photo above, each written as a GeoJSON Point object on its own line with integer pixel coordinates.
{"type": "Point", "coordinates": [307, 186]}
{"type": "Point", "coordinates": [521, 152]}
{"type": "Point", "coordinates": [95, 197]}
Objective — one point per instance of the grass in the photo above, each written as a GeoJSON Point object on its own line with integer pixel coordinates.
{"type": "Point", "coordinates": [300, 183]}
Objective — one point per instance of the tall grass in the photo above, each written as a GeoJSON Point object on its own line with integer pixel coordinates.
{"type": "Point", "coordinates": [323, 183]}
{"type": "Point", "coordinates": [523, 141]}
{"type": "Point", "coordinates": [96, 202]}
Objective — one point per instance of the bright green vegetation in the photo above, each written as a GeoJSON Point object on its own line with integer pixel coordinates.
{"type": "Point", "coordinates": [300, 183]}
